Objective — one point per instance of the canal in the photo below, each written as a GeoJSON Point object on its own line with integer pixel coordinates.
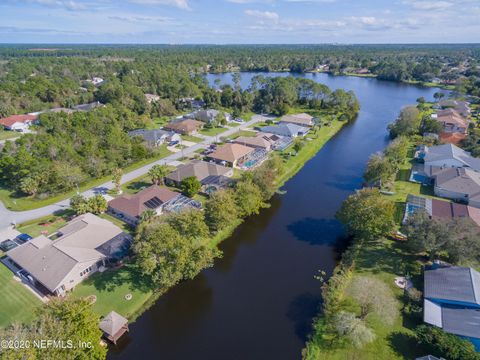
{"type": "Point", "coordinates": [258, 301]}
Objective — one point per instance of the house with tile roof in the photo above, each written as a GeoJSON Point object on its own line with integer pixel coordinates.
{"type": "Point", "coordinates": [185, 126]}
{"type": "Point", "coordinates": [302, 119]}
{"type": "Point", "coordinates": [233, 155]}
{"type": "Point", "coordinates": [452, 301]}
{"type": "Point", "coordinates": [82, 247]}
{"type": "Point", "coordinates": [160, 199]}
{"type": "Point", "coordinates": [440, 209]}
{"type": "Point", "coordinates": [211, 175]}
{"type": "Point", "coordinates": [129, 208]}
{"type": "Point", "coordinates": [452, 121]}
{"type": "Point", "coordinates": [260, 141]}
{"type": "Point", "coordinates": [460, 184]}
{"type": "Point", "coordinates": [449, 155]}
{"type": "Point", "coordinates": [462, 107]}
{"type": "Point", "coordinates": [20, 123]}
{"type": "Point", "coordinates": [286, 130]}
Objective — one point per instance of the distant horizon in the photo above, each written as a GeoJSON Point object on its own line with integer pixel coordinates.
{"type": "Point", "coordinates": [235, 44]}
{"type": "Point", "coordinates": [230, 22]}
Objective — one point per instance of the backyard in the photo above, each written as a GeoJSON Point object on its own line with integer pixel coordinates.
{"type": "Point", "coordinates": [18, 303]}
{"type": "Point", "coordinates": [111, 288]}
{"type": "Point", "coordinates": [382, 260]}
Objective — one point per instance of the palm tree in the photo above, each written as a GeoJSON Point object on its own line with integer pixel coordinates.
{"type": "Point", "coordinates": [117, 178]}
{"type": "Point", "coordinates": [157, 173]}
{"type": "Point", "coordinates": [147, 215]}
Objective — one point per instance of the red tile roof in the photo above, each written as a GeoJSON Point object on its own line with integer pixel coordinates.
{"type": "Point", "coordinates": [9, 121]}
{"type": "Point", "coordinates": [448, 210]}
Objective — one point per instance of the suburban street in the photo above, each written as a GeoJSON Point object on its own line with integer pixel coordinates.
{"type": "Point", "coordinates": [8, 217]}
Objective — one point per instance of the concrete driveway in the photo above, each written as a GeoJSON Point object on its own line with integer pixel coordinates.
{"type": "Point", "coordinates": [8, 217]}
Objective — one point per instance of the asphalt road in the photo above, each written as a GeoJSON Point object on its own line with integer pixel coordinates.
{"type": "Point", "coordinates": [8, 217]}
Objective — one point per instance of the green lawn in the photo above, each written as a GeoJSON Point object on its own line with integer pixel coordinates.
{"type": "Point", "coordinates": [233, 124]}
{"type": "Point", "coordinates": [158, 122]}
{"type": "Point", "coordinates": [16, 202]}
{"type": "Point", "coordinates": [8, 134]}
{"type": "Point", "coordinates": [383, 260]}
{"type": "Point", "coordinates": [212, 131]}
{"type": "Point", "coordinates": [46, 225]}
{"type": "Point", "coordinates": [110, 288]}
{"type": "Point", "coordinates": [191, 138]}
{"type": "Point", "coordinates": [18, 303]}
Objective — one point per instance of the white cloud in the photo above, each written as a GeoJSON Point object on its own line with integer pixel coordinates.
{"type": "Point", "coordinates": [67, 4]}
{"type": "Point", "coordinates": [181, 4]}
{"type": "Point", "coordinates": [263, 15]}
{"type": "Point", "coordinates": [429, 5]}
{"type": "Point", "coordinates": [140, 19]}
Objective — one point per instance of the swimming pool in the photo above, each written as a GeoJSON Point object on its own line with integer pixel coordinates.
{"type": "Point", "coordinates": [419, 178]}
{"type": "Point", "coordinates": [411, 208]}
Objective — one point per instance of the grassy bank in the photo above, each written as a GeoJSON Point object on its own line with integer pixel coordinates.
{"type": "Point", "coordinates": [13, 202]}
{"type": "Point", "coordinates": [293, 164]}
{"type": "Point", "coordinates": [382, 260]}
{"type": "Point", "coordinates": [18, 303]}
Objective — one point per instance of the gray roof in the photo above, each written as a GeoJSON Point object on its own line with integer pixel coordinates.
{"type": "Point", "coordinates": [428, 357]}
{"type": "Point", "coordinates": [206, 115]}
{"type": "Point", "coordinates": [450, 151]}
{"type": "Point", "coordinates": [152, 136]}
{"type": "Point", "coordinates": [112, 323]}
{"type": "Point", "coordinates": [460, 180]}
{"type": "Point", "coordinates": [81, 240]}
{"type": "Point", "coordinates": [285, 129]}
{"type": "Point", "coordinates": [461, 321]}
{"type": "Point", "coordinates": [88, 107]}
{"type": "Point", "coordinates": [453, 283]}
{"type": "Point", "coordinates": [200, 169]}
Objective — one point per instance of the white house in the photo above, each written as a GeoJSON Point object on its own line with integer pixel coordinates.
{"type": "Point", "coordinates": [82, 247]}
{"type": "Point", "coordinates": [20, 123]}
{"type": "Point", "coordinates": [449, 155]}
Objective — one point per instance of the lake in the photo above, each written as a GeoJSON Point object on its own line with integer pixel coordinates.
{"type": "Point", "coordinates": [258, 301]}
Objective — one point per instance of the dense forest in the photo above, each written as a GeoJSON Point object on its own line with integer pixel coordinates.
{"type": "Point", "coordinates": [33, 78]}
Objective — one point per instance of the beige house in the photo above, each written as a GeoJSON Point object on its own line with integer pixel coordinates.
{"type": "Point", "coordinates": [260, 141]}
{"type": "Point", "coordinates": [185, 127]}
{"type": "Point", "coordinates": [452, 121]}
{"type": "Point", "coordinates": [130, 208]}
{"type": "Point", "coordinates": [81, 248]}
{"type": "Point", "coordinates": [212, 176]}
{"type": "Point", "coordinates": [233, 155]}
{"type": "Point", "coordinates": [302, 119]}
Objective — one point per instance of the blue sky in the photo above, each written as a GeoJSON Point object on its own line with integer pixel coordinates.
{"type": "Point", "coordinates": [239, 21]}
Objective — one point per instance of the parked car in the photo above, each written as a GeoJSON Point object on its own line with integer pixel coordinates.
{"type": "Point", "coordinates": [173, 143]}
{"type": "Point", "coordinates": [23, 238]}
{"type": "Point", "coordinates": [7, 245]}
